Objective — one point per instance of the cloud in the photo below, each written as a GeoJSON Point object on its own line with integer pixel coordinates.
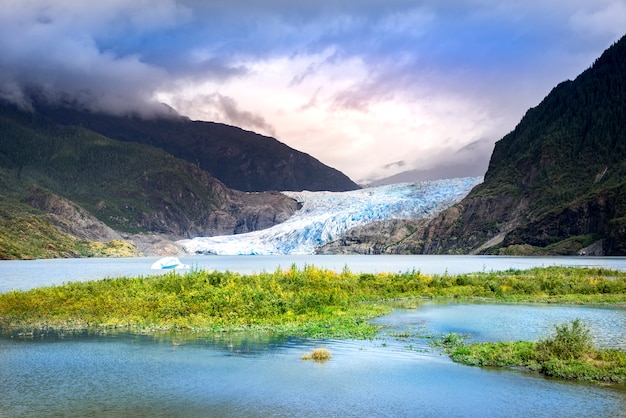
{"type": "Point", "coordinates": [231, 112]}
{"type": "Point", "coordinates": [355, 84]}
{"type": "Point", "coordinates": [600, 20]}
{"type": "Point", "coordinates": [394, 164]}
{"type": "Point", "coordinates": [216, 106]}
{"type": "Point", "coordinates": [55, 48]}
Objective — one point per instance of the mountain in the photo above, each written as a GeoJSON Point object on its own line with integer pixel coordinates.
{"type": "Point", "coordinates": [240, 159]}
{"type": "Point", "coordinates": [325, 216]}
{"type": "Point", "coordinates": [75, 184]}
{"type": "Point", "coordinates": [555, 185]}
{"type": "Point", "coordinates": [470, 160]}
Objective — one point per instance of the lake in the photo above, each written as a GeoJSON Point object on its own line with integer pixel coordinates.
{"type": "Point", "coordinates": [258, 375]}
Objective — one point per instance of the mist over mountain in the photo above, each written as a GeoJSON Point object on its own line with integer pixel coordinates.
{"type": "Point", "coordinates": [471, 160]}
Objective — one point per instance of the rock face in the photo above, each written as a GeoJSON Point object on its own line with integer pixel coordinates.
{"type": "Point", "coordinates": [243, 213]}
{"type": "Point", "coordinates": [555, 185]}
{"type": "Point", "coordinates": [385, 237]}
{"type": "Point", "coordinates": [71, 218]}
{"type": "Point", "coordinates": [180, 211]}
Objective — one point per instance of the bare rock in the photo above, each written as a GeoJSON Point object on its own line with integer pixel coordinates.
{"type": "Point", "coordinates": [71, 218]}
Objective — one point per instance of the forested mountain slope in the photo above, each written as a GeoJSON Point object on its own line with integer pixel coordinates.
{"type": "Point", "coordinates": [556, 183]}
{"type": "Point", "coordinates": [240, 159]}
{"type": "Point", "coordinates": [51, 174]}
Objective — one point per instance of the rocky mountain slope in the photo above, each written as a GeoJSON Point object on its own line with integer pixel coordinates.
{"type": "Point", "coordinates": [93, 188]}
{"type": "Point", "coordinates": [240, 159]}
{"type": "Point", "coordinates": [555, 185]}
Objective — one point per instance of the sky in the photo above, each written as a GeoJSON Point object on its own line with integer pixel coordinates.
{"type": "Point", "coordinates": [372, 88]}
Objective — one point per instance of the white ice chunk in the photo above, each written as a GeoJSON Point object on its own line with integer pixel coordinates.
{"type": "Point", "coordinates": [167, 263]}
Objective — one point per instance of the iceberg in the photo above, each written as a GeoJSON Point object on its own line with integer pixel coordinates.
{"type": "Point", "coordinates": [167, 263]}
{"type": "Point", "coordinates": [325, 216]}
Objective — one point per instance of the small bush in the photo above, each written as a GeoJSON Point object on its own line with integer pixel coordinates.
{"type": "Point", "coordinates": [569, 342]}
{"type": "Point", "coordinates": [318, 354]}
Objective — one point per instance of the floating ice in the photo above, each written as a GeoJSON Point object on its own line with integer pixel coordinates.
{"type": "Point", "coordinates": [325, 216]}
{"type": "Point", "coordinates": [167, 263]}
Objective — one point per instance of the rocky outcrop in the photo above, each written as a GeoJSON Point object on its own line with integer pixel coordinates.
{"type": "Point", "coordinates": [71, 218]}
{"type": "Point", "coordinates": [383, 237]}
{"type": "Point", "coordinates": [255, 211]}
{"type": "Point", "coordinates": [180, 211]}
{"type": "Point", "coordinates": [155, 244]}
{"type": "Point", "coordinates": [243, 212]}
{"type": "Point", "coordinates": [482, 226]}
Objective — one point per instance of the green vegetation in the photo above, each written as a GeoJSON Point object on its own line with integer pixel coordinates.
{"type": "Point", "coordinates": [128, 186]}
{"type": "Point", "coordinates": [568, 354]}
{"type": "Point", "coordinates": [321, 303]}
{"type": "Point", "coordinates": [27, 236]}
{"type": "Point", "coordinates": [556, 183]}
{"type": "Point", "coordinates": [573, 140]}
{"type": "Point", "coordinates": [307, 302]}
{"type": "Point", "coordinates": [568, 246]}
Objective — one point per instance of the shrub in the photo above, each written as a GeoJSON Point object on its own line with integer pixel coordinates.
{"type": "Point", "coordinates": [318, 354]}
{"type": "Point", "coordinates": [569, 342]}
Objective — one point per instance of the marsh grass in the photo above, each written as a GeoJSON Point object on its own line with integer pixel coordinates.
{"type": "Point", "coordinates": [318, 355]}
{"type": "Point", "coordinates": [568, 354]}
{"type": "Point", "coordinates": [309, 301]}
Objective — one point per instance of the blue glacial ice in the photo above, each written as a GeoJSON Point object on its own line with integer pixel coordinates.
{"type": "Point", "coordinates": [325, 216]}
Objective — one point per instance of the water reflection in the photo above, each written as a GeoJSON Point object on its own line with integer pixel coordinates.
{"type": "Point", "coordinates": [397, 374]}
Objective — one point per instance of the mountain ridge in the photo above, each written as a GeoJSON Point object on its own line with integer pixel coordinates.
{"type": "Point", "coordinates": [556, 184]}
{"type": "Point", "coordinates": [242, 160]}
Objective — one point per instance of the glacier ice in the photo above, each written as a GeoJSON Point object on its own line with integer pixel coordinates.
{"type": "Point", "coordinates": [325, 216]}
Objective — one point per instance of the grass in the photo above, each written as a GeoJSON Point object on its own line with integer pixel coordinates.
{"type": "Point", "coordinates": [309, 302]}
{"type": "Point", "coordinates": [318, 354]}
{"type": "Point", "coordinates": [568, 354]}
{"type": "Point", "coordinates": [27, 236]}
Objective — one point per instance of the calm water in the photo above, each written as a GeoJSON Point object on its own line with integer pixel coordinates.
{"type": "Point", "coordinates": [257, 376]}
{"type": "Point", "coordinates": [122, 375]}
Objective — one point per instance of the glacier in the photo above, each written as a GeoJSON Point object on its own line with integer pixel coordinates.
{"type": "Point", "coordinates": [325, 216]}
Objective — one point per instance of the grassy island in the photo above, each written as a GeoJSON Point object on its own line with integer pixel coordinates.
{"type": "Point", "coordinates": [307, 302]}
{"type": "Point", "coordinates": [314, 302]}
{"type": "Point", "coordinates": [568, 354]}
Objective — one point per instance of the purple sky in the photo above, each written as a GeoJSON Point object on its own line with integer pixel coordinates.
{"type": "Point", "coordinates": [370, 87]}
